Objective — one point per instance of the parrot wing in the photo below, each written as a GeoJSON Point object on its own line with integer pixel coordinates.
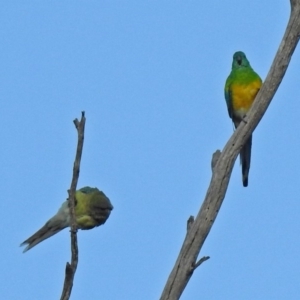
{"type": "Point", "coordinates": [228, 96]}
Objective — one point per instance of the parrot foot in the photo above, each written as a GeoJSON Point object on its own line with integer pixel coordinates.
{"type": "Point", "coordinates": [244, 119]}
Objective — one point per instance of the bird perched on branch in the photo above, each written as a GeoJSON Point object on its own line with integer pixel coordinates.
{"type": "Point", "coordinates": [241, 88]}
{"type": "Point", "coordinates": [92, 209]}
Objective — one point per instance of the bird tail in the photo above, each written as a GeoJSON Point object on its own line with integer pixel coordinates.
{"type": "Point", "coordinates": [45, 232]}
{"type": "Point", "coordinates": [245, 157]}
{"type": "Point", "coordinates": [57, 223]}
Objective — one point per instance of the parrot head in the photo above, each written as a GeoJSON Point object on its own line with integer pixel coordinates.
{"type": "Point", "coordinates": [240, 60]}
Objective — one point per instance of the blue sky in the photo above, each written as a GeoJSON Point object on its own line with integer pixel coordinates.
{"type": "Point", "coordinates": [150, 77]}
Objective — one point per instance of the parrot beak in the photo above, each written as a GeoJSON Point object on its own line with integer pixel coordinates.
{"type": "Point", "coordinates": [239, 60]}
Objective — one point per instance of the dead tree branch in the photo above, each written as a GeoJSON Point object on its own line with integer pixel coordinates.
{"type": "Point", "coordinates": [196, 235]}
{"type": "Point", "coordinates": [71, 268]}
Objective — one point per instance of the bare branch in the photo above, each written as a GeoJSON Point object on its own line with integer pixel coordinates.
{"type": "Point", "coordinates": [71, 268]}
{"type": "Point", "coordinates": [186, 261]}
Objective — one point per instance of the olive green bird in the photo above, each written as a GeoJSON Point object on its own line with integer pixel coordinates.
{"type": "Point", "coordinates": [92, 209]}
{"type": "Point", "coordinates": [241, 88]}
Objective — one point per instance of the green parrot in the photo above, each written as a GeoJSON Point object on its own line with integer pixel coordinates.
{"type": "Point", "coordinates": [241, 88]}
{"type": "Point", "coordinates": [92, 209]}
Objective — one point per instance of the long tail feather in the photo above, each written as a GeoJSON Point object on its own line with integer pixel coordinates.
{"type": "Point", "coordinates": [42, 234]}
{"type": "Point", "coordinates": [53, 226]}
{"type": "Point", "coordinates": [245, 157]}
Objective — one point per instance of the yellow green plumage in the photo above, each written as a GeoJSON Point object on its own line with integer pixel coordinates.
{"type": "Point", "coordinates": [241, 88]}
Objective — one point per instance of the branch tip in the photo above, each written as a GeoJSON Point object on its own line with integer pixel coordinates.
{"type": "Point", "coordinates": [76, 123]}
{"type": "Point", "coordinates": [190, 222]}
{"type": "Point", "coordinates": [215, 158]}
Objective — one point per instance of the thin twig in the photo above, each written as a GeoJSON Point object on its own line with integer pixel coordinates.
{"type": "Point", "coordinates": [71, 268]}
{"type": "Point", "coordinates": [194, 240]}
{"type": "Point", "coordinates": [199, 262]}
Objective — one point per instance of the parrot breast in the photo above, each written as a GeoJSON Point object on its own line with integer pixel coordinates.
{"type": "Point", "coordinates": [243, 96]}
